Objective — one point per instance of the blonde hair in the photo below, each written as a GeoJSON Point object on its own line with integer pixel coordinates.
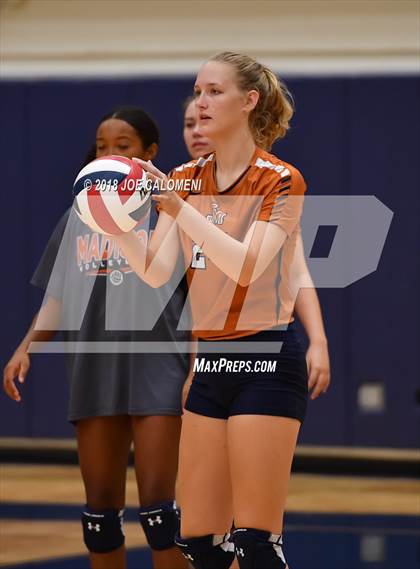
{"type": "Point", "coordinates": [270, 118]}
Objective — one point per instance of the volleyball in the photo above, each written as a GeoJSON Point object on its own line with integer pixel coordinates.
{"type": "Point", "coordinates": [111, 195]}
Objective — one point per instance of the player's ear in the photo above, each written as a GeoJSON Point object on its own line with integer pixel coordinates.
{"type": "Point", "coordinates": [251, 100]}
{"type": "Point", "coordinates": [151, 151]}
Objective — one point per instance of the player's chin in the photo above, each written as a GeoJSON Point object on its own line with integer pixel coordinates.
{"type": "Point", "coordinates": [216, 129]}
{"type": "Point", "coordinates": [200, 150]}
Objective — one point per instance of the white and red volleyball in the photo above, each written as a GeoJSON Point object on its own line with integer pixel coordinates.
{"type": "Point", "coordinates": [111, 194]}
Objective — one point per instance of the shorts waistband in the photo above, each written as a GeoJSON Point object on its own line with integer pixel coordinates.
{"type": "Point", "coordinates": [260, 336]}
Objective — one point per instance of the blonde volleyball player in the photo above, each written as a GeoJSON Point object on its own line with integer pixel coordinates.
{"type": "Point", "coordinates": [307, 306]}
{"type": "Point", "coordinates": [238, 231]}
{"type": "Point", "coordinates": [117, 398]}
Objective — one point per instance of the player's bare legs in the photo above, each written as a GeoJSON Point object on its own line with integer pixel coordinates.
{"type": "Point", "coordinates": [103, 445]}
{"type": "Point", "coordinates": [235, 564]}
{"type": "Point", "coordinates": [204, 488]}
{"type": "Point", "coordinates": [260, 469]}
{"type": "Point", "coordinates": [156, 444]}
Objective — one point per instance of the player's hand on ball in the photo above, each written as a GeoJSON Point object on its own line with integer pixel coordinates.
{"type": "Point", "coordinates": [318, 362]}
{"type": "Point", "coordinates": [168, 200]}
{"type": "Point", "coordinates": [17, 367]}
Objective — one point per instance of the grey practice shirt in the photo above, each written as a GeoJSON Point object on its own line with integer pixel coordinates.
{"type": "Point", "coordinates": [104, 301]}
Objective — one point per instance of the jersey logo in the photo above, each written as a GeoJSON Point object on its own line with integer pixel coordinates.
{"type": "Point", "coordinates": [116, 277]}
{"type": "Point", "coordinates": [217, 216]}
{"type": "Point", "coordinates": [100, 254]}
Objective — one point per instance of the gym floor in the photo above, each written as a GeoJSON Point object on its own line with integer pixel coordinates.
{"type": "Point", "coordinates": [332, 522]}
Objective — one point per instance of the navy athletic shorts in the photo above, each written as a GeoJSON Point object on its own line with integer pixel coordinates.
{"type": "Point", "coordinates": [251, 383]}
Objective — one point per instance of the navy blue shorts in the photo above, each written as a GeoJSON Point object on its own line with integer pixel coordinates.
{"type": "Point", "coordinates": [227, 384]}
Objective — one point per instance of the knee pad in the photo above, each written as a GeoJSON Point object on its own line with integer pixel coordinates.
{"type": "Point", "coordinates": [160, 523]}
{"type": "Point", "coordinates": [258, 549]}
{"type": "Point", "coordinates": [102, 530]}
{"type": "Point", "coordinates": [208, 551]}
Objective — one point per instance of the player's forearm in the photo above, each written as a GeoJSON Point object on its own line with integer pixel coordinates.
{"type": "Point", "coordinates": [151, 268]}
{"type": "Point", "coordinates": [33, 335]}
{"type": "Point", "coordinates": [134, 251]}
{"type": "Point", "coordinates": [307, 305]}
{"type": "Point", "coordinates": [44, 325]}
{"type": "Point", "coordinates": [234, 258]}
{"type": "Point", "coordinates": [308, 310]}
{"type": "Point", "coordinates": [224, 251]}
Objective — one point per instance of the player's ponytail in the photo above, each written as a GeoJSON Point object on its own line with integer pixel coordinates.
{"type": "Point", "coordinates": [271, 116]}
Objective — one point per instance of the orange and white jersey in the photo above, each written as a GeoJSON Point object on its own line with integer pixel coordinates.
{"type": "Point", "coordinates": [269, 190]}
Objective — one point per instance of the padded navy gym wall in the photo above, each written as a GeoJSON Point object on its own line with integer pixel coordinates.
{"type": "Point", "coordinates": [350, 136]}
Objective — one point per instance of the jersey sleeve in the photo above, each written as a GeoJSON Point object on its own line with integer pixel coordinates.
{"type": "Point", "coordinates": [283, 202]}
{"type": "Point", "coordinates": [47, 276]}
{"type": "Point", "coordinates": [178, 175]}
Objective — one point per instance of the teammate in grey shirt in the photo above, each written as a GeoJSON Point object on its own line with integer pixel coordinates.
{"type": "Point", "coordinates": [116, 398]}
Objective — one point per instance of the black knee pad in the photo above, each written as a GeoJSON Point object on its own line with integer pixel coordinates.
{"type": "Point", "coordinates": [102, 530]}
{"type": "Point", "coordinates": [160, 523]}
{"type": "Point", "coordinates": [208, 551]}
{"type": "Point", "coordinates": [258, 549]}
